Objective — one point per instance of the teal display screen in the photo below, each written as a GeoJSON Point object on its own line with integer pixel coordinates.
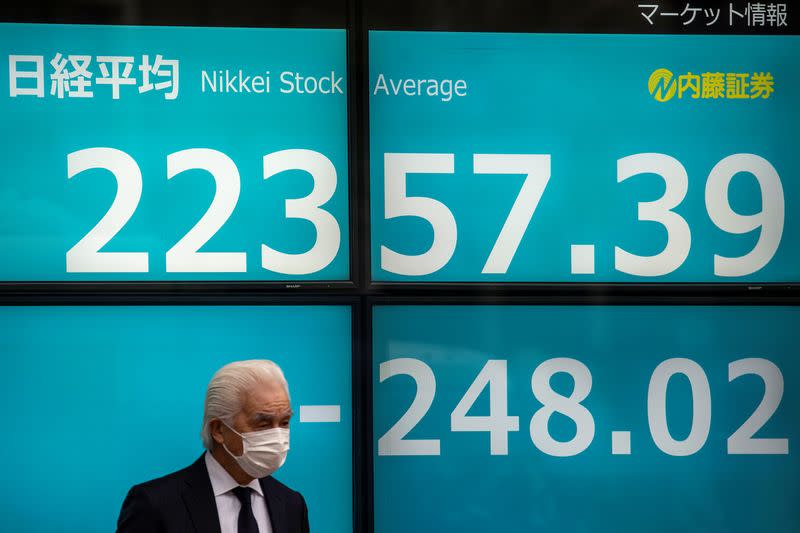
{"type": "Point", "coordinates": [585, 419]}
{"type": "Point", "coordinates": [98, 399]}
{"type": "Point", "coordinates": [584, 158]}
{"type": "Point", "coordinates": [173, 154]}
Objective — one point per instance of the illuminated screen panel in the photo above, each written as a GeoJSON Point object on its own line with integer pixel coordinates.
{"type": "Point", "coordinates": [607, 419]}
{"type": "Point", "coordinates": [173, 154]}
{"type": "Point", "coordinates": [583, 158]}
{"type": "Point", "coordinates": [98, 399]}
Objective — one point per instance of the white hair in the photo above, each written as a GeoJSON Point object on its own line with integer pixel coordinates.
{"type": "Point", "coordinates": [227, 389]}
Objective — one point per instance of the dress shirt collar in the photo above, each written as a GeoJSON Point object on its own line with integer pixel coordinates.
{"type": "Point", "coordinates": [221, 480]}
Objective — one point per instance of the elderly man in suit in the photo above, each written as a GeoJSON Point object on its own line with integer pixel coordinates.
{"type": "Point", "coordinates": [229, 489]}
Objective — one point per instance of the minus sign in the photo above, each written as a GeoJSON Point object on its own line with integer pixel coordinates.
{"type": "Point", "coordinates": [320, 413]}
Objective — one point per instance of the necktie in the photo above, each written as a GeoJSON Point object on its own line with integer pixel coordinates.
{"type": "Point", "coordinates": [247, 521]}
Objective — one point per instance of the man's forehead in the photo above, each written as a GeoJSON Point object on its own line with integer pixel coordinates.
{"type": "Point", "coordinates": [266, 396]}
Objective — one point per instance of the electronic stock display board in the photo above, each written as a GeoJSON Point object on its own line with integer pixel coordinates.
{"type": "Point", "coordinates": [584, 157]}
{"type": "Point", "coordinates": [221, 154]}
{"type": "Point", "coordinates": [585, 418]}
{"type": "Point", "coordinates": [96, 399]}
{"type": "Point", "coordinates": [173, 154]}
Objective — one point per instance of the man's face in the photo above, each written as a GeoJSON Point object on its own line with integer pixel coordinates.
{"type": "Point", "coordinates": [265, 406]}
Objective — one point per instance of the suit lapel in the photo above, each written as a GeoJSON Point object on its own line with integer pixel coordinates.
{"type": "Point", "coordinates": [199, 498]}
{"type": "Point", "coordinates": [275, 506]}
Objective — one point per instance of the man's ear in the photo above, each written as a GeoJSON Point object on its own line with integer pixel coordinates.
{"type": "Point", "coordinates": [216, 430]}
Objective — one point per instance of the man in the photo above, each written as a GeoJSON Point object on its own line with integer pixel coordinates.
{"type": "Point", "coordinates": [229, 488]}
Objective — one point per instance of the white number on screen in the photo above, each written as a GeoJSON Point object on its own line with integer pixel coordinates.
{"type": "Point", "coordinates": [553, 402]}
{"type": "Point", "coordinates": [326, 245]}
{"type": "Point", "coordinates": [398, 204]}
{"type": "Point", "coordinates": [393, 442]}
{"type": "Point", "coordinates": [657, 406]}
{"type": "Point", "coordinates": [498, 423]}
{"type": "Point", "coordinates": [86, 256]}
{"type": "Point", "coordinates": [184, 256]}
{"type": "Point", "coordinates": [769, 219]}
{"type": "Point", "coordinates": [679, 236]}
{"type": "Point", "coordinates": [536, 169]}
{"type": "Point", "coordinates": [742, 441]}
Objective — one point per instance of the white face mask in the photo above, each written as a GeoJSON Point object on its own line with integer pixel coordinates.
{"type": "Point", "coordinates": [263, 452]}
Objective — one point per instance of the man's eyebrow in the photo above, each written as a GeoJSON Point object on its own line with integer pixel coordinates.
{"type": "Point", "coordinates": [264, 416]}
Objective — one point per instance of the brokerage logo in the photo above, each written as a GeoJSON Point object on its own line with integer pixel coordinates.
{"type": "Point", "coordinates": [664, 85]}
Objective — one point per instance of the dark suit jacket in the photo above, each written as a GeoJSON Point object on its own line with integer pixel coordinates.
{"type": "Point", "coordinates": [183, 502]}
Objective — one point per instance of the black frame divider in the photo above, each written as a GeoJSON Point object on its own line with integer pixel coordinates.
{"type": "Point", "coordinates": [579, 300]}
{"type": "Point", "coordinates": [361, 293]}
{"type": "Point", "coordinates": [545, 16]}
